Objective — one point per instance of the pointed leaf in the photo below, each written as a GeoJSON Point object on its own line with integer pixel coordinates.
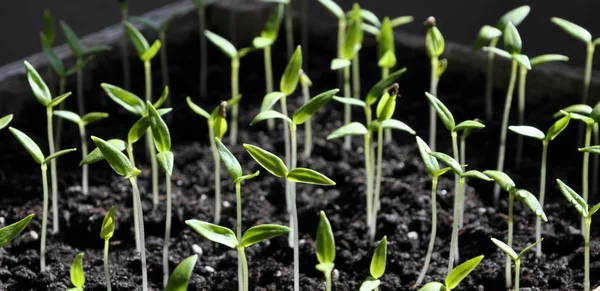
{"type": "Point", "coordinates": [77, 275]}
{"type": "Point", "coordinates": [505, 182]}
{"type": "Point", "coordinates": [108, 224]}
{"type": "Point", "coordinates": [263, 232]}
{"type": "Point", "coordinates": [267, 160]}
{"type": "Point", "coordinates": [224, 45]}
{"type": "Point", "coordinates": [433, 286]}
{"type": "Point", "coordinates": [246, 177]}
{"type": "Point", "coordinates": [309, 108]}
{"type": "Point", "coordinates": [308, 176]}
{"type": "Point", "coordinates": [370, 29]}
{"type": "Point", "coordinates": [477, 175]}
{"type": "Point", "coordinates": [291, 75]}
{"type": "Point", "coordinates": [401, 20]}
{"type": "Point", "coordinates": [4, 121]}
{"type": "Point", "coordinates": [231, 163]}
{"type": "Point", "coordinates": [382, 86]}
{"type": "Point", "coordinates": [269, 114]}
{"type": "Point", "coordinates": [271, 28]}
{"type": "Point", "coordinates": [379, 260]}
{"type": "Point", "coordinates": [305, 80]}
{"type": "Point", "coordinates": [333, 8]}
{"type": "Point", "coordinates": [338, 63]}
{"type": "Point", "coordinates": [68, 115]}
{"type": "Point", "coordinates": [527, 130]}
{"type": "Point", "coordinates": [434, 42]}
{"type": "Point", "coordinates": [180, 278]}
{"type": "Point", "coordinates": [591, 149]}
{"type": "Point", "coordinates": [325, 241]}
{"type": "Point", "coordinates": [558, 127]}
{"type": "Point", "coordinates": [56, 101]}
{"type": "Point", "coordinates": [151, 51]}
{"type": "Point", "coordinates": [53, 59]}
{"type": "Point", "coordinates": [31, 147]}
{"type": "Point", "coordinates": [397, 125]}
{"type": "Point", "coordinates": [431, 163]}
{"type": "Point", "coordinates": [72, 39]}
{"type": "Point", "coordinates": [461, 272]}
{"type": "Point", "coordinates": [506, 249]}
{"type": "Point", "coordinates": [11, 231]}
{"type": "Point", "coordinates": [469, 124]}
{"type": "Point", "coordinates": [387, 104]}
{"type": "Point", "coordinates": [486, 33]}
{"type": "Point", "coordinates": [594, 209]}
{"type": "Point", "coordinates": [528, 248]}
{"type": "Point", "coordinates": [166, 161]}
{"type": "Point", "coordinates": [213, 232]}
{"type": "Point", "coordinates": [449, 161]}
{"type": "Point", "coordinates": [350, 129]}
{"type": "Point", "coordinates": [270, 100]}
{"type": "Point", "coordinates": [220, 126]}
{"type": "Point", "coordinates": [92, 117]}
{"type": "Point", "coordinates": [115, 158]}
{"type": "Point", "coordinates": [137, 39]}
{"type": "Point", "coordinates": [197, 108]}
{"type": "Point", "coordinates": [163, 97]}
{"type": "Point", "coordinates": [531, 202]}
{"type": "Point", "coordinates": [146, 22]}
{"type": "Point", "coordinates": [370, 284]}
{"type": "Point", "coordinates": [543, 59]}
{"type": "Point", "coordinates": [160, 131]}
{"type": "Point", "coordinates": [38, 86]}
{"type": "Point", "coordinates": [354, 34]}
{"type": "Point", "coordinates": [126, 99]}
{"type": "Point", "coordinates": [523, 60]}
{"type": "Point", "coordinates": [577, 201]}
{"type": "Point", "coordinates": [58, 154]}
{"type": "Point", "coordinates": [573, 29]}
{"type": "Point", "coordinates": [577, 108]}
{"type": "Point", "coordinates": [350, 101]}
{"type": "Point", "coordinates": [442, 111]}
{"type": "Point", "coordinates": [497, 51]}
{"type": "Point", "coordinates": [385, 39]}
{"type": "Point", "coordinates": [97, 49]}
{"type": "Point", "coordinates": [96, 155]}
{"type": "Point", "coordinates": [48, 27]}
{"type": "Point", "coordinates": [577, 116]}
{"type": "Point", "coordinates": [515, 16]}
{"type": "Point", "coordinates": [138, 130]}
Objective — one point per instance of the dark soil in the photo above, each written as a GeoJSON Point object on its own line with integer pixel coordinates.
{"type": "Point", "coordinates": [405, 203]}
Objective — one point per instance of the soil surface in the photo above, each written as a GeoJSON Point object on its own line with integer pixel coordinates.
{"type": "Point", "coordinates": [405, 201]}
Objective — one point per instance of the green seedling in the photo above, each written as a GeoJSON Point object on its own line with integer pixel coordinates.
{"type": "Point", "coordinates": [9, 232]}
{"type": "Point", "coordinates": [106, 233]}
{"type": "Point", "coordinates": [38, 156]}
{"type": "Point", "coordinates": [289, 28]}
{"type": "Point", "coordinates": [82, 122]}
{"type": "Point", "coordinates": [435, 44]}
{"type": "Point", "coordinates": [513, 45]}
{"type": "Point", "coordinates": [123, 166]}
{"type": "Point", "coordinates": [4, 121]}
{"type": "Point", "coordinates": [491, 34]}
{"type": "Point", "coordinates": [454, 277]}
{"type": "Point", "coordinates": [337, 11]}
{"type": "Point", "coordinates": [507, 184]}
{"type": "Point", "coordinates": [459, 170]}
{"type": "Point", "coordinates": [217, 127]}
{"type": "Point", "coordinates": [235, 55]}
{"type": "Point", "coordinates": [325, 249]}
{"type": "Point", "coordinates": [433, 168]}
{"type": "Point", "coordinates": [553, 132]}
{"type": "Point", "coordinates": [306, 83]}
{"type": "Point", "coordinates": [536, 61]}
{"type": "Point", "coordinates": [42, 93]}
{"type": "Point", "coordinates": [515, 257]}
{"type": "Point", "coordinates": [180, 278]}
{"type": "Point", "coordinates": [277, 168]}
{"type": "Point", "coordinates": [124, 8]}
{"type": "Point", "coordinates": [226, 237]}
{"type": "Point", "coordinates": [377, 268]}
{"type": "Point", "coordinates": [582, 207]}
{"type": "Point", "coordinates": [77, 274]}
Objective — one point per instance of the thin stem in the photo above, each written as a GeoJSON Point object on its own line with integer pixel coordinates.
{"type": "Point", "coordinates": [517, 273]}
{"type": "Point", "coordinates": [289, 29]}
{"type": "Point", "coordinates": [164, 68]}
{"type": "Point", "coordinates": [80, 97]}
{"type": "Point", "coordinates": [454, 240]}
{"type": "Point", "coordinates": [586, 169]}
{"type": "Point", "coordinates": [295, 229]}
{"type": "Point", "coordinates": [242, 256]}
{"type": "Point", "coordinates": [489, 81]}
{"type": "Point", "coordinates": [235, 69]}
{"type": "Point", "coordinates": [340, 44]}
{"type": "Point", "coordinates": [434, 182]}
{"type": "Point", "coordinates": [328, 281]}
{"type": "Point", "coordinates": [167, 232]}
{"type": "Point", "coordinates": [59, 123]}
{"type": "Point", "coordinates": [140, 234]}
{"type": "Point", "coordinates": [106, 271]}
{"type": "Point", "coordinates": [356, 75]}
{"type": "Point", "coordinates": [286, 141]}
{"type": "Point", "coordinates": [454, 136]}
{"type": "Point", "coordinates": [377, 182]}
{"type": "Point", "coordinates": [369, 180]}
{"type": "Point", "coordinates": [502, 150]}
{"type": "Point", "coordinates": [53, 174]}
{"type": "Point", "coordinates": [136, 222]}
{"type": "Point", "coordinates": [385, 72]}
{"type": "Point", "coordinates": [433, 91]}
{"type": "Point", "coordinates": [463, 161]}
{"type": "Point", "coordinates": [511, 200]}
{"type": "Point", "coordinates": [269, 79]}
{"type": "Point", "coordinates": [238, 202]}
{"type": "Point", "coordinates": [522, 80]}
{"type": "Point", "coordinates": [596, 162]}
{"type": "Point", "coordinates": [203, 50]}
{"type": "Point", "coordinates": [217, 161]}
{"type": "Point", "coordinates": [44, 218]}
{"type": "Point", "coordinates": [149, 138]}
{"type": "Point", "coordinates": [307, 125]}
{"type": "Point", "coordinates": [125, 51]}
{"type": "Point", "coordinates": [538, 221]}
{"type": "Point", "coordinates": [586, 263]}
{"type": "Point", "coordinates": [304, 32]}
{"type": "Point", "coordinates": [84, 152]}
{"type": "Point", "coordinates": [292, 238]}
{"type": "Point", "coordinates": [347, 108]}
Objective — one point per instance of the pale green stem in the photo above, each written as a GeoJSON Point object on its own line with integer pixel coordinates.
{"type": "Point", "coordinates": [149, 138]}
{"type": "Point", "coordinates": [84, 152]}
{"type": "Point", "coordinates": [385, 72]}
{"type": "Point", "coordinates": [517, 273]}
{"type": "Point", "coordinates": [433, 91]}
{"type": "Point", "coordinates": [167, 232]}
{"type": "Point", "coordinates": [242, 256]}
{"type": "Point", "coordinates": [340, 44]}
{"type": "Point", "coordinates": [454, 239]}
{"type": "Point", "coordinates": [125, 51]}
{"type": "Point", "coordinates": [522, 80]}
{"type": "Point", "coordinates": [538, 221]}
{"type": "Point", "coordinates": [586, 169]}
{"type": "Point", "coordinates": [269, 79]}
{"type": "Point", "coordinates": [203, 50]}
{"type": "Point", "coordinates": [238, 222]}
{"type": "Point", "coordinates": [454, 136]}
{"type": "Point", "coordinates": [217, 161]}
{"type": "Point", "coordinates": [586, 82]}
{"type": "Point", "coordinates": [502, 149]}
{"type": "Point", "coordinates": [511, 200]}
{"type": "Point", "coordinates": [489, 82]}
{"type": "Point", "coordinates": [59, 123]}
{"type": "Point", "coordinates": [356, 75]}
{"type": "Point", "coordinates": [140, 234]}
{"type": "Point", "coordinates": [235, 70]}
{"type": "Point", "coordinates": [136, 223]}
{"type": "Point", "coordinates": [44, 218]}
{"type": "Point", "coordinates": [295, 229]}
{"type": "Point", "coordinates": [80, 98]}
{"type": "Point", "coordinates": [372, 230]}
{"type": "Point", "coordinates": [289, 29]}
{"type": "Point", "coordinates": [586, 256]}
{"type": "Point", "coordinates": [106, 272]}
{"type": "Point", "coordinates": [347, 108]}
{"type": "Point", "coordinates": [462, 162]}
{"type": "Point", "coordinates": [304, 33]}
{"type": "Point", "coordinates": [328, 281]}
{"type": "Point", "coordinates": [369, 178]}
{"type": "Point", "coordinates": [307, 125]}
{"type": "Point", "coordinates": [53, 174]}
{"type": "Point", "coordinates": [164, 68]}
{"type": "Point", "coordinates": [596, 162]}
{"type": "Point", "coordinates": [286, 141]}
{"type": "Point", "coordinates": [434, 182]}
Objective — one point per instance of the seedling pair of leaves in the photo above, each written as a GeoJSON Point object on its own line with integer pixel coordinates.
{"type": "Point", "coordinates": [515, 257]}
{"type": "Point", "coordinates": [384, 32]}
{"type": "Point", "coordinates": [377, 267]}
{"type": "Point", "coordinates": [352, 41]}
{"type": "Point", "coordinates": [454, 277]}
{"type": "Point", "coordinates": [145, 51]}
{"type": "Point", "coordinates": [77, 274]}
{"type": "Point", "coordinates": [325, 249]}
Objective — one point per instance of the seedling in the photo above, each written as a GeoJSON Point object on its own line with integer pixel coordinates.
{"type": "Point", "coordinates": [454, 277]}
{"type": "Point", "coordinates": [507, 184]}
{"type": "Point", "coordinates": [277, 167]}
{"type": "Point", "coordinates": [4, 121]}
{"type": "Point", "coordinates": [582, 207]}
{"type": "Point", "coordinates": [180, 278]}
{"type": "Point", "coordinates": [82, 122]}
{"type": "Point", "coordinates": [377, 268]}
{"type": "Point", "coordinates": [513, 45]}
{"type": "Point", "coordinates": [433, 168]}
{"type": "Point", "coordinates": [553, 132]}
{"type": "Point", "coordinates": [492, 35]}
{"type": "Point", "coordinates": [77, 274]}
{"type": "Point", "coordinates": [106, 233]}
{"type": "Point", "coordinates": [325, 249]}
{"type": "Point", "coordinates": [38, 156]}
{"type": "Point", "coordinates": [9, 232]}
{"type": "Point", "coordinates": [124, 8]}
{"type": "Point", "coordinates": [435, 44]}
{"type": "Point", "coordinates": [217, 127]}
{"type": "Point", "coordinates": [42, 93]}
{"type": "Point", "coordinates": [337, 11]}
{"type": "Point", "coordinates": [515, 257]}
{"type": "Point", "coordinates": [458, 169]}
{"type": "Point", "coordinates": [306, 83]}
{"type": "Point", "coordinates": [226, 237]}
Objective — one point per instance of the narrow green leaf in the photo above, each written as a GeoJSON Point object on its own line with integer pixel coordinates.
{"type": "Point", "coordinates": [401, 20]}
{"type": "Point", "coordinates": [528, 248]}
{"type": "Point", "coordinates": [523, 60]}
{"type": "Point", "coordinates": [166, 161]}
{"type": "Point", "coordinates": [92, 117]}
{"type": "Point", "coordinates": [333, 8]}
{"type": "Point", "coordinates": [151, 51]}
{"type": "Point", "coordinates": [461, 272]}
{"type": "Point", "coordinates": [440, 172]}
{"type": "Point", "coordinates": [72, 39]}
{"type": "Point", "coordinates": [577, 108]}
{"type": "Point", "coordinates": [138, 130]}
{"type": "Point", "coordinates": [338, 63]}
{"type": "Point", "coordinates": [379, 260]}
{"type": "Point", "coordinates": [325, 268]}
{"type": "Point", "coordinates": [58, 154]}
{"type": "Point", "coordinates": [505, 182]}
{"type": "Point", "coordinates": [97, 49]}
{"type": "Point", "coordinates": [146, 22]}
{"type": "Point", "coordinates": [271, 28]}
{"type": "Point", "coordinates": [370, 284]}
{"type": "Point", "coordinates": [197, 108]}
{"type": "Point", "coordinates": [527, 130]}
{"type": "Point", "coordinates": [449, 161]}
{"type": "Point", "coordinates": [388, 60]}
{"type": "Point", "coordinates": [231, 163]}
{"type": "Point", "coordinates": [213, 232]}
{"type": "Point", "coordinates": [469, 124]}
{"type": "Point", "coordinates": [431, 163]}
{"type": "Point", "coordinates": [543, 59]}
{"type": "Point", "coordinates": [498, 52]}
{"type": "Point", "coordinates": [506, 249]}
{"type": "Point", "coordinates": [397, 125]}
{"type": "Point", "coordinates": [270, 100]}
{"type": "Point", "coordinates": [433, 286]}
{"type": "Point", "coordinates": [350, 129]}
{"type": "Point", "coordinates": [68, 115]}
{"type": "Point", "coordinates": [309, 108]}
{"type": "Point", "coordinates": [115, 158]}
{"type": "Point", "coordinates": [477, 175]}
{"type": "Point", "coordinates": [577, 116]}
{"type": "Point", "coordinates": [573, 29]}
{"type": "Point", "coordinates": [595, 114]}
{"type": "Point", "coordinates": [385, 39]}
{"type": "Point", "coordinates": [180, 277]}
{"type": "Point", "coordinates": [263, 232]}
{"type": "Point", "coordinates": [382, 86]}
{"type": "Point", "coordinates": [515, 16]}
{"type": "Point", "coordinates": [224, 45]}
{"type": "Point", "coordinates": [350, 101]}
{"type": "Point", "coordinates": [267, 160]}
{"type": "Point", "coordinates": [56, 101]}
{"type": "Point", "coordinates": [577, 201]}
{"type": "Point", "coordinates": [53, 59]}
{"type": "Point", "coordinates": [38, 86]}
{"type": "Point", "coordinates": [354, 34]}
{"type": "Point", "coordinates": [163, 97]}
{"type": "Point", "coordinates": [325, 241]}
{"type": "Point", "coordinates": [79, 64]}
{"type": "Point", "coordinates": [9, 232]}
{"type": "Point", "coordinates": [31, 147]}
{"type": "Point", "coordinates": [291, 75]}
{"type": "Point", "coordinates": [4, 121]}
{"type": "Point", "coordinates": [486, 34]}
{"type": "Point", "coordinates": [48, 27]}
{"type": "Point", "coordinates": [246, 177]}
{"type": "Point", "coordinates": [308, 176]}
{"type": "Point", "coordinates": [369, 16]}
{"type": "Point", "coordinates": [387, 104]}
{"type": "Point", "coordinates": [96, 155]}
{"type": "Point", "coordinates": [594, 209]}
{"type": "Point", "coordinates": [370, 29]}
{"type": "Point", "coordinates": [434, 42]}
{"type": "Point", "coordinates": [220, 126]}
{"type": "Point", "coordinates": [77, 275]}
{"type": "Point", "coordinates": [512, 39]}
{"type": "Point", "coordinates": [269, 114]}
{"type": "Point", "coordinates": [558, 127]}
{"type": "Point", "coordinates": [531, 202]}
{"type": "Point", "coordinates": [160, 131]}
{"type": "Point", "coordinates": [126, 99]}
{"type": "Point", "coordinates": [108, 224]}
{"type": "Point", "coordinates": [592, 149]}
{"type": "Point", "coordinates": [137, 39]}
{"type": "Point", "coordinates": [442, 111]}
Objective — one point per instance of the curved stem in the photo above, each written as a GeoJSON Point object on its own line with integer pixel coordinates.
{"type": "Point", "coordinates": [242, 256]}
{"type": "Point", "coordinates": [136, 194]}
{"type": "Point", "coordinates": [586, 276]}
{"type": "Point", "coordinates": [44, 218]}
{"type": "Point", "coordinates": [235, 70]}
{"type": "Point", "coordinates": [454, 240]}
{"type": "Point", "coordinates": [136, 223]}
{"type": "Point", "coordinates": [522, 79]}
{"type": "Point", "coordinates": [377, 182]}
{"type": "Point", "coordinates": [585, 171]}
{"type": "Point", "coordinates": [538, 221]}
{"type": "Point", "coordinates": [106, 271]}
{"type": "Point", "coordinates": [307, 125]}
{"type": "Point", "coordinates": [269, 79]}
{"type": "Point", "coordinates": [433, 91]}
{"type": "Point", "coordinates": [167, 232]}
{"type": "Point", "coordinates": [217, 161]}
{"type": "Point", "coordinates": [289, 29]}
{"type": "Point", "coordinates": [53, 174]}
{"type": "Point", "coordinates": [511, 200]}
{"type": "Point", "coordinates": [489, 81]}
{"type": "Point", "coordinates": [347, 108]}
{"type": "Point", "coordinates": [434, 182]}
{"type": "Point", "coordinates": [517, 273]}
{"type": "Point", "coordinates": [203, 50]}
{"type": "Point", "coordinates": [84, 152]}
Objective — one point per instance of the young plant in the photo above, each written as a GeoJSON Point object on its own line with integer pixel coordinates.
{"type": "Point", "coordinates": [9, 232]}
{"type": "Point", "coordinates": [513, 45]}
{"type": "Point", "coordinates": [377, 268]}
{"type": "Point", "coordinates": [325, 249]}
{"type": "Point", "coordinates": [582, 207]}
{"type": "Point", "coordinates": [123, 166]}
{"type": "Point", "coordinates": [454, 277]}
{"type": "Point", "coordinates": [492, 35]}
{"type": "Point", "coordinates": [553, 132]}
{"type": "Point", "coordinates": [217, 127]}
{"type": "Point", "coordinates": [106, 233]}
{"type": "Point", "coordinates": [42, 93]}
{"type": "Point", "coordinates": [277, 167]}
{"type": "Point", "coordinates": [515, 257]}
{"type": "Point", "coordinates": [124, 8]}
{"type": "Point", "coordinates": [82, 122]}
{"type": "Point", "coordinates": [77, 274]}
{"type": "Point", "coordinates": [433, 168]}
{"type": "Point", "coordinates": [38, 156]}
{"type": "Point", "coordinates": [180, 278]}
{"type": "Point", "coordinates": [306, 83]}
{"type": "Point", "coordinates": [507, 184]}
{"type": "Point", "coordinates": [435, 44]}
{"type": "Point", "coordinates": [5, 120]}
{"type": "Point", "coordinates": [458, 199]}
{"type": "Point", "coordinates": [226, 237]}
{"type": "Point", "coordinates": [201, 5]}
{"type": "Point", "coordinates": [337, 11]}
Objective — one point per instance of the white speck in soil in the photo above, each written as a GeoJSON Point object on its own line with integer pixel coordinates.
{"type": "Point", "coordinates": [413, 235]}
{"type": "Point", "coordinates": [278, 274]}
{"type": "Point", "coordinates": [226, 204]}
{"type": "Point", "coordinates": [197, 249]}
{"type": "Point", "coordinates": [209, 269]}
{"type": "Point", "coordinates": [335, 275]}
{"type": "Point", "coordinates": [302, 241]}
{"type": "Point", "coordinates": [443, 192]}
{"type": "Point", "coordinates": [481, 210]}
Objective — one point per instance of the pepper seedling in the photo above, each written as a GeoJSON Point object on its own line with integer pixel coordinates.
{"type": "Point", "coordinates": [513, 45]}
{"type": "Point", "coordinates": [306, 83]}
{"type": "Point", "coordinates": [226, 237]}
{"type": "Point", "coordinates": [515, 257]}
{"type": "Point", "coordinates": [325, 249]}
{"type": "Point", "coordinates": [553, 132]}
{"type": "Point", "coordinates": [454, 277]}
{"type": "Point", "coordinates": [508, 185]}
{"type": "Point", "coordinates": [180, 278]}
{"type": "Point", "coordinates": [217, 127]}
{"type": "Point", "coordinates": [435, 44]}
{"type": "Point", "coordinates": [9, 232]}
{"type": "Point", "coordinates": [106, 233]}
{"type": "Point", "coordinates": [491, 34]}
{"type": "Point", "coordinates": [77, 274]}
{"type": "Point", "coordinates": [377, 267]}
{"type": "Point", "coordinates": [277, 168]}
{"type": "Point", "coordinates": [42, 94]}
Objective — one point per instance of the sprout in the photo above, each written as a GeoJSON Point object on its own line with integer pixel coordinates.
{"type": "Point", "coordinates": [458, 199]}
{"type": "Point", "coordinates": [77, 274]}
{"type": "Point", "coordinates": [513, 45]}
{"type": "Point", "coordinates": [434, 43]}
{"type": "Point", "coordinates": [306, 83]}
{"type": "Point", "coordinates": [277, 167]}
{"type": "Point", "coordinates": [82, 122]}
{"type": "Point", "coordinates": [180, 278]}
{"type": "Point", "coordinates": [217, 126]}
{"type": "Point", "coordinates": [42, 93]}
{"type": "Point", "coordinates": [515, 257]}
{"type": "Point", "coordinates": [433, 168]}
{"type": "Point", "coordinates": [492, 35]}
{"type": "Point", "coordinates": [507, 184]}
{"type": "Point", "coordinates": [455, 276]}
{"type": "Point", "coordinates": [106, 233]}
{"type": "Point", "coordinates": [4, 121]}
{"type": "Point", "coordinates": [226, 237]}
{"type": "Point", "coordinates": [9, 232]}
{"type": "Point", "coordinates": [553, 132]}
{"type": "Point", "coordinates": [325, 249]}
{"type": "Point", "coordinates": [37, 155]}
{"type": "Point", "coordinates": [377, 268]}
